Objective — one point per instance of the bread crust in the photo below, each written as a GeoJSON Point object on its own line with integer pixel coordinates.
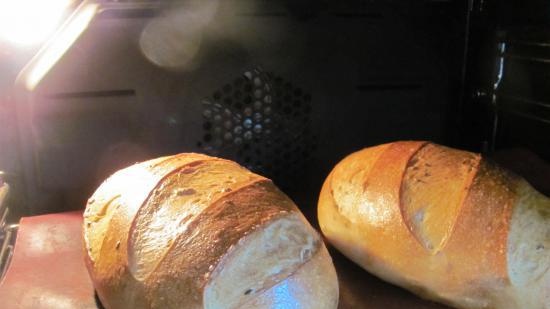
{"type": "Point", "coordinates": [123, 193]}
{"type": "Point", "coordinates": [467, 269]}
{"type": "Point", "coordinates": [301, 284]}
{"type": "Point", "coordinates": [156, 232]}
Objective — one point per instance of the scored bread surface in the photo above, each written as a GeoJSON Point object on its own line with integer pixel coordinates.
{"type": "Point", "coordinates": [159, 233]}
{"type": "Point", "coordinates": [438, 221]}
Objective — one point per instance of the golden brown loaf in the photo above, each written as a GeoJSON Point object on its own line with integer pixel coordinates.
{"type": "Point", "coordinates": [443, 223]}
{"type": "Point", "coordinates": [192, 231]}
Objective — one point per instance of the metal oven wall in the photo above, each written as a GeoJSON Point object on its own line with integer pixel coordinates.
{"type": "Point", "coordinates": [336, 77]}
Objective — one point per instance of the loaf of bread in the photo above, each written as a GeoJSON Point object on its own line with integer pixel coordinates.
{"type": "Point", "coordinates": [193, 231]}
{"type": "Point", "coordinates": [446, 224]}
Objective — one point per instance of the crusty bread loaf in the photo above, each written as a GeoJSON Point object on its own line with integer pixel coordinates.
{"type": "Point", "coordinates": [192, 231]}
{"type": "Point", "coordinates": [443, 223]}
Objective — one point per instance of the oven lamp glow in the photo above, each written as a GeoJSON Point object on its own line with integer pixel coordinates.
{"type": "Point", "coordinates": [60, 44]}
{"type": "Point", "coordinates": [28, 22]}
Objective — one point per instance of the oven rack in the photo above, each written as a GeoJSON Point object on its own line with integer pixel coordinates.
{"type": "Point", "coordinates": [7, 240]}
{"type": "Point", "coordinates": [514, 95]}
{"type": "Point", "coordinates": [7, 231]}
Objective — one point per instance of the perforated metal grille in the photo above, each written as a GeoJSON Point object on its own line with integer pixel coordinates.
{"type": "Point", "coordinates": [261, 121]}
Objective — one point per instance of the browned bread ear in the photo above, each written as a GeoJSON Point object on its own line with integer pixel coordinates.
{"type": "Point", "coordinates": [192, 231]}
{"type": "Point", "coordinates": [432, 219]}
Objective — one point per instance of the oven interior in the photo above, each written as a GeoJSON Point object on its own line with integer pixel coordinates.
{"type": "Point", "coordinates": [286, 88]}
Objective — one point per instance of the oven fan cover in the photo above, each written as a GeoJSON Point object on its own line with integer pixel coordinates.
{"type": "Point", "coordinates": [261, 121]}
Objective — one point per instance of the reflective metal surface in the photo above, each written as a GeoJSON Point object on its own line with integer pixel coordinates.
{"type": "Point", "coordinates": [4, 211]}
{"type": "Point", "coordinates": [7, 232]}
{"type": "Point", "coordinates": [7, 242]}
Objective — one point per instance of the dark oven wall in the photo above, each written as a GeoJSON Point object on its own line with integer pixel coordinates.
{"type": "Point", "coordinates": [286, 88]}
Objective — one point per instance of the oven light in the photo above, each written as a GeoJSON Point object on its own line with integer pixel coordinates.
{"type": "Point", "coordinates": [29, 22]}
{"type": "Point", "coordinates": [63, 40]}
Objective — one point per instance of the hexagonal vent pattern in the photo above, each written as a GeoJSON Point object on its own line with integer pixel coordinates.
{"type": "Point", "coordinates": [261, 121]}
